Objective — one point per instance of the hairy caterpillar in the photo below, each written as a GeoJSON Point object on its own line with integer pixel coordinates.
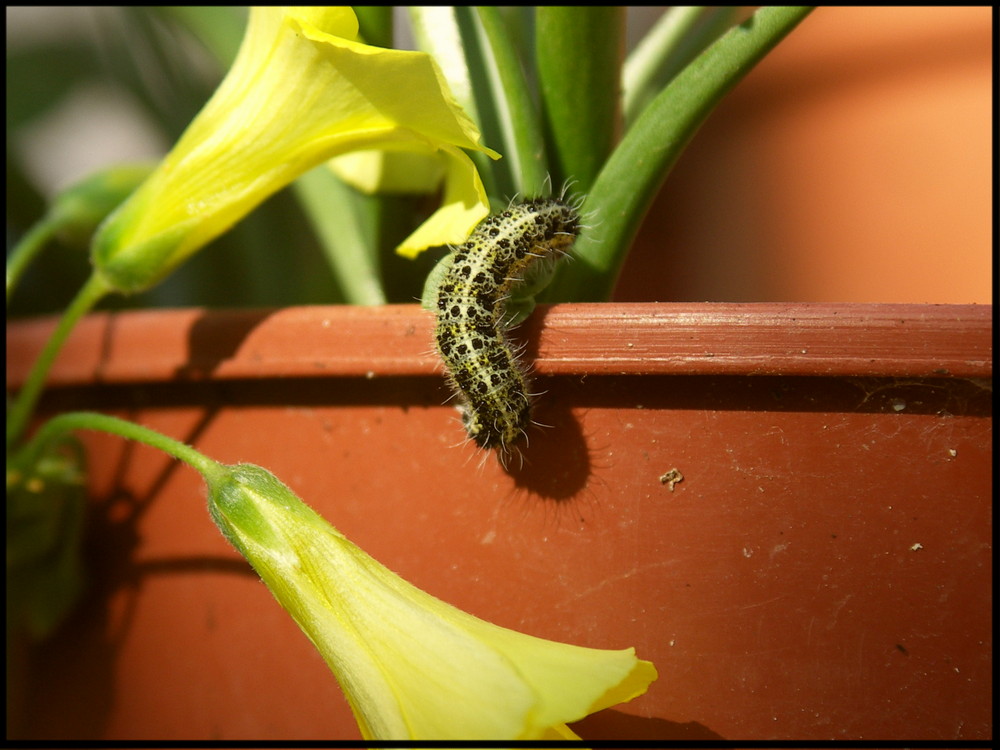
{"type": "Point", "coordinates": [472, 319]}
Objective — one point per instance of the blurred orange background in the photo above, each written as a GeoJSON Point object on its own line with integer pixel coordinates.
{"type": "Point", "coordinates": [854, 164]}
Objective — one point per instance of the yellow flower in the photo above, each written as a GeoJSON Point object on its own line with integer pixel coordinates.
{"type": "Point", "coordinates": [412, 666]}
{"type": "Point", "coordinates": [301, 91]}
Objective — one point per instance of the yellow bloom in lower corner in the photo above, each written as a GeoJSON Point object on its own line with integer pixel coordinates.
{"type": "Point", "coordinates": [412, 666]}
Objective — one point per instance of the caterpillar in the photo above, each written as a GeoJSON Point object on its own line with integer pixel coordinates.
{"type": "Point", "coordinates": [472, 317]}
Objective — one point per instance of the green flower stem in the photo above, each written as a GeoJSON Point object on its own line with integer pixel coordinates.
{"type": "Point", "coordinates": [28, 249]}
{"type": "Point", "coordinates": [88, 296]}
{"type": "Point", "coordinates": [632, 176]}
{"type": "Point", "coordinates": [579, 54]}
{"type": "Point", "coordinates": [76, 212]}
{"type": "Point", "coordinates": [213, 471]}
{"type": "Point", "coordinates": [524, 143]}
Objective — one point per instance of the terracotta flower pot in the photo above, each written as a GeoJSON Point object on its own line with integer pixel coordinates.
{"type": "Point", "coordinates": [785, 508]}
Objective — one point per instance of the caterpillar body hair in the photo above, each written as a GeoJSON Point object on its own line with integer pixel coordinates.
{"type": "Point", "coordinates": [472, 320]}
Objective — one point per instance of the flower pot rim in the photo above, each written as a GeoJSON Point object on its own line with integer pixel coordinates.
{"type": "Point", "coordinates": [196, 344]}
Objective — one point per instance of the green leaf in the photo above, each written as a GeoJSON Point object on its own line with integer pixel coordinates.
{"type": "Point", "coordinates": [516, 113]}
{"type": "Point", "coordinates": [680, 35]}
{"type": "Point", "coordinates": [45, 512]}
{"type": "Point", "coordinates": [632, 176]}
{"type": "Point", "coordinates": [375, 24]}
{"type": "Point", "coordinates": [219, 28]}
{"type": "Point", "coordinates": [453, 36]}
{"type": "Point", "coordinates": [579, 54]}
{"type": "Point", "coordinates": [345, 221]}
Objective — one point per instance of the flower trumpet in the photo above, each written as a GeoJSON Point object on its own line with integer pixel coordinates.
{"type": "Point", "coordinates": [411, 666]}
{"type": "Point", "coordinates": [301, 90]}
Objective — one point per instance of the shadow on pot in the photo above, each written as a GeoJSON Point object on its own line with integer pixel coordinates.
{"type": "Point", "coordinates": [555, 461]}
{"type": "Point", "coordinates": [621, 726]}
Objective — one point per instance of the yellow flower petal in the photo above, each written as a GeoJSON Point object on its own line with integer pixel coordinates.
{"type": "Point", "coordinates": [463, 206]}
{"type": "Point", "coordinates": [412, 666]}
{"type": "Point", "coordinates": [383, 171]}
{"type": "Point", "coordinates": [300, 91]}
{"type": "Point", "coordinates": [464, 203]}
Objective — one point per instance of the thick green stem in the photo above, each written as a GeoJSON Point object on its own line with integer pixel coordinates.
{"type": "Point", "coordinates": [88, 296]}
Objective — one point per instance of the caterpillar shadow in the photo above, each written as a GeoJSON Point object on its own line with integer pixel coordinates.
{"type": "Point", "coordinates": [555, 461]}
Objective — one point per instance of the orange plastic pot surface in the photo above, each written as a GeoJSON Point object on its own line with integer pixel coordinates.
{"type": "Point", "coordinates": [785, 508]}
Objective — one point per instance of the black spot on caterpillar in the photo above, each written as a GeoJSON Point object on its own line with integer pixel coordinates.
{"type": "Point", "coordinates": [472, 319]}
